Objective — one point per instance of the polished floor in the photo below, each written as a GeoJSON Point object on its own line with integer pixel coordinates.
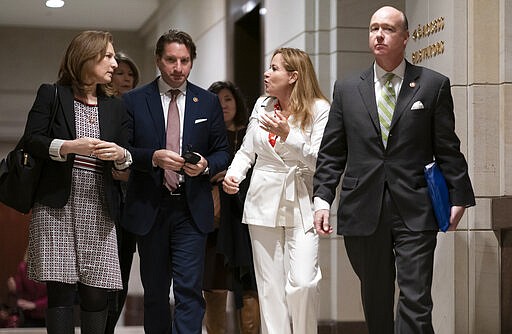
{"type": "Point", "coordinates": [120, 330]}
{"type": "Point", "coordinates": [230, 325]}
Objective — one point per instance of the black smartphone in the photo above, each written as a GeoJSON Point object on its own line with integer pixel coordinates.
{"type": "Point", "coordinates": [191, 157]}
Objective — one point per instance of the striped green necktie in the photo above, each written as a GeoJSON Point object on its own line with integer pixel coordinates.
{"type": "Point", "coordinates": [386, 106]}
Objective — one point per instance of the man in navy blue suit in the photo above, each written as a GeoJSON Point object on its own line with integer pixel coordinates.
{"type": "Point", "coordinates": [172, 214]}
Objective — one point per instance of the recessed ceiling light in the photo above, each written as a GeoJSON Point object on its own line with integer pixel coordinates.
{"type": "Point", "coordinates": [54, 3]}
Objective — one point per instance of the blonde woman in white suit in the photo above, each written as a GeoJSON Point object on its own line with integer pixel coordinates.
{"type": "Point", "coordinates": [284, 133]}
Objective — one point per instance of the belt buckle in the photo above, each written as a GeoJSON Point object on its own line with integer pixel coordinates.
{"type": "Point", "coordinates": [177, 192]}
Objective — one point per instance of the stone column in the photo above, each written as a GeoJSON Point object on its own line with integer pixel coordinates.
{"type": "Point", "coordinates": [476, 55]}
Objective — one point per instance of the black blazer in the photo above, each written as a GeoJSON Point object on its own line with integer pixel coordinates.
{"type": "Point", "coordinates": [55, 182]}
{"type": "Point", "coordinates": [352, 145]}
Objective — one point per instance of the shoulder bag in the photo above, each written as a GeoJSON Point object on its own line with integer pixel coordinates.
{"type": "Point", "coordinates": [20, 172]}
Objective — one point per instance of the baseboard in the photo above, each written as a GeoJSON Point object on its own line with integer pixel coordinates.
{"type": "Point", "coordinates": [341, 327]}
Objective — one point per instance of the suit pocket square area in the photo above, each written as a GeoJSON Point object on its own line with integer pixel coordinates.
{"type": "Point", "coordinates": [200, 120]}
{"type": "Point", "coordinates": [417, 105]}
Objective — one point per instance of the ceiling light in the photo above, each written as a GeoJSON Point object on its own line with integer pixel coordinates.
{"type": "Point", "coordinates": [248, 6]}
{"type": "Point", "coordinates": [54, 3]}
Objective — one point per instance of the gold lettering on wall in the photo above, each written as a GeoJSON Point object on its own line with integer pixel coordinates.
{"type": "Point", "coordinates": [428, 52]}
{"type": "Point", "coordinates": [431, 50]}
{"type": "Point", "coordinates": [428, 29]}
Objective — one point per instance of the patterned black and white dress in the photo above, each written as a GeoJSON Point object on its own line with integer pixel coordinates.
{"type": "Point", "coordinates": [77, 243]}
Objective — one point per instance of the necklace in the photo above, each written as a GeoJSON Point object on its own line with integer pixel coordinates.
{"type": "Point", "coordinates": [88, 111]}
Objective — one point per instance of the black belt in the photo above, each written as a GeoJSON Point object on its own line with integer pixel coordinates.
{"type": "Point", "coordinates": [180, 191]}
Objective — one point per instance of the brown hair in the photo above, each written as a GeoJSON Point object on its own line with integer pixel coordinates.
{"type": "Point", "coordinates": [176, 36]}
{"type": "Point", "coordinates": [305, 89]}
{"type": "Point", "coordinates": [121, 57]}
{"type": "Point", "coordinates": [85, 50]}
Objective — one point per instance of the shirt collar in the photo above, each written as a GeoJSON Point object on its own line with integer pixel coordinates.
{"type": "Point", "coordinates": [163, 87]}
{"type": "Point", "coordinates": [379, 72]}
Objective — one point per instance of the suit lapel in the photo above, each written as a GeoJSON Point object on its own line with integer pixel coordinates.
{"type": "Point", "coordinates": [367, 91]}
{"type": "Point", "coordinates": [410, 85]}
{"type": "Point", "coordinates": [268, 106]}
{"type": "Point", "coordinates": [154, 107]}
{"type": "Point", "coordinates": [106, 118]}
{"type": "Point", "coordinates": [68, 108]}
{"type": "Point", "coordinates": [192, 104]}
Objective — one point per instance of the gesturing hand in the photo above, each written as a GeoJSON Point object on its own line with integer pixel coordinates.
{"type": "Point", "coordinates": [277, 124]}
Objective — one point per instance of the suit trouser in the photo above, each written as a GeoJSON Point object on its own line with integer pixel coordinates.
{"type": "Point", "coordinates": [287, 276]}
{"type": "Point", "coordinates": [173, 250]}
{"type": "Point", "coordinates": [394, 251]}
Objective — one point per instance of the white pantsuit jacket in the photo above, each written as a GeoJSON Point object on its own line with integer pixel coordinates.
{"type": "Point", "coordinates": [282, 179]}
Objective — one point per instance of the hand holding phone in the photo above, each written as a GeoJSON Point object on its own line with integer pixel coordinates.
{"type": "Point", "coordinates": [191, 157]}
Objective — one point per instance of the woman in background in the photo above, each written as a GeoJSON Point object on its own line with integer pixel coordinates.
{"type": "Point", "coordinates": [285, 131]}
{"type": "Point", "coordinates": [125, 78]}
{"type": "Point", "coordinates": [72, 236]}
{"type": "Point", "coordinates": [228, 260]}
{"type": "Point", "coordinates": [126, 75]}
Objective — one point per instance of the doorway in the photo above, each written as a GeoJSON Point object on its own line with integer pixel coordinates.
{"type": "Point", "coordinates": [247, 50]}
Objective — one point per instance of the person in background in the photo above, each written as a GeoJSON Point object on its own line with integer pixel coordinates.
{"type": "Point", "coordinates": [72, 236]}
{"type": "Point", "coordinates": [30, 296]}
{"type": "Point", "coordinates": [228, 261]}
{"type": "Point", "coordinates": [384, 126]}
{"type": "Point", "coordinates": [126, 75]}
{"type": "Point", "coordinates": [285, 130]}
{"type": "Point", "coordinates": [124, 79]}
{"type": "Point", "coordinates": [169, 202]}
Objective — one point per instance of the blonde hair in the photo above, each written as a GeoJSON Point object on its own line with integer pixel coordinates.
{"type": "Point", "coordinates": [305, 90]}
{"type": "Point", "coordinates": [85, 50]}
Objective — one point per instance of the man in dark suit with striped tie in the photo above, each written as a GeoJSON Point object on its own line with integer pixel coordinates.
{"type": "Point", "coordinates": [384, 126]}
{"type": "Point", "coordinates": [168, 201]}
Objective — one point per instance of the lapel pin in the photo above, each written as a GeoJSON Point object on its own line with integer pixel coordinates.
{"type": "Point", "coordinates": [412, 84]}
{"type": "Point", "coordinates": [195, 99]}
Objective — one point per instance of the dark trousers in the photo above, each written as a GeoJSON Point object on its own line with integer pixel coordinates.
{"type": "Point", "coordinates": [173, 251]}
{"type": "Point", "coordinates": [126, 247]}
{"type": "Point", "coordinates": [394, 251]}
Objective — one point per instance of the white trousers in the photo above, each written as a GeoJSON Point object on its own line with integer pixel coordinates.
{"type": "Point", "coordinates": [287, 275]}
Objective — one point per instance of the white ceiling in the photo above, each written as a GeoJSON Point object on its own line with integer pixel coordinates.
{"type": "Point", "coordinates": [78, 14]}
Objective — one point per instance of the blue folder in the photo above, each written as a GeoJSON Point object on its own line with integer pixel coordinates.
{"type": "Point", "coordinates": [439, 195]}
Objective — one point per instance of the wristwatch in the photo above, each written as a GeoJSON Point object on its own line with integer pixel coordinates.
{"type": "Point", "coordinates": [206, 171]}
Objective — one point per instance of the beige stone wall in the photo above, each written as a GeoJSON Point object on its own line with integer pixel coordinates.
{"type": "Point", "coordinates": [477, 59]}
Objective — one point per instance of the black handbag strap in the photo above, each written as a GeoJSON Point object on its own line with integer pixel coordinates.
{"type": "Point", "coordinates": [54, 106]}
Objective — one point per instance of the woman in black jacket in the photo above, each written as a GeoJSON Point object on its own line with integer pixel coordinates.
{"type": "Point", "coordinates": [72, 236]}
